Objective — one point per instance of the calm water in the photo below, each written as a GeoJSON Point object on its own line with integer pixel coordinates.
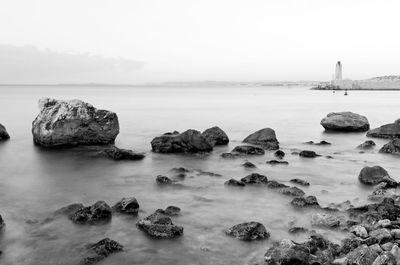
{"type": "Point", "coordinates": [34, 182]}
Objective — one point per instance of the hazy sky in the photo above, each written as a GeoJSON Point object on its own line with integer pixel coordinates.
{"type": "Point", "coordinates": [186, 40]}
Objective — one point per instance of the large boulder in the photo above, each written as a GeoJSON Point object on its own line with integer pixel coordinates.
{"type": "Point", "coordinates": [391, 130]}
{"type": "Point", "coordinates": [73, 122]}
{"type": "Point", "coordinates": [392, 147]}
{"type": "Point", "coordinates": [345, 122]}
{"type": "Point", "coordinates": [248, 231]}
{"type": "Point", "coordinates": [190, 141]}
{"type": "Point", "coordinates": [3, 133]}
{"type": "Point", "coordinates": [266, 138]}
{"type": "Point", "coordinates": [159, 225]}
{"type": "Point", "coordinates": [99, 212]}
{"type": "Point", "coordinates": [372, 175]}
{"type": "Point", "coordinates": [216, 136]}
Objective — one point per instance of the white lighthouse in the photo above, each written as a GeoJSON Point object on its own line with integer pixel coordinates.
{"type": "Point", "coordinates": [338, 72]}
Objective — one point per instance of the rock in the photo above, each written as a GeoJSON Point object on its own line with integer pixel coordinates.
{"type": "Point", "coordinates": [325, 220]}
{"type": "Point", "coordinates": [101, 250]}
{"type": "Point", "coordinates": [292, 191]}
{"type": "Point", "coordinates": [396, 253]}
{"type": "Point", "coordinates": [248, 150]}
{"type": "Point", "coordinates": [372, 175]}
{"type": "Point", "coordinates": [234, 182]}
{"type": "Point", "coordinates": [248, 165]}
{"type": "Point", "coordinates": [372, 213]}
{"type": "Point", "coordinates": [172, 210]}
{"type": "Point", "coordinates": [277, 162]}
{"type": "Point", "coordinates": [323, 142]}
{"type": "Point", "coordinates": [163, 180]}
{"type": "Point", "coordinates": [171, 133]}
{"type": "Point", "coordinates": [273, 184]}
{"type": "Point", "coordinates": [3, 133]}
{"type": "Point", "coordinates": [286, 252]}
{"type": "Point", "coordinates": [387, 246]}
{"type": "Point", "coordinates": [127, 206]}
{"type": "Point", "coordinates": [383, 235]}
{"type": "Point", "coordinates": [363, 255]}
{"type": "Point", "coordinates": [216, 136]}
{"type": "Point", "coordinates": [296, 230]}
{"type": "Point", "coordinates": [190, 141]}
{"type": "Point", "coordinates": [69, 209]}
{"type": "Point", "coordinates": [395, 233]}
{"type": "Point", "coordinates": [309, 201]}
{"type": "Point", "coordinates": [99, 212]}
{"type": "Point", "coordinates": [300, 182]}
{"type": "Point", "coordinates": [385, 258]}
{"type": "Point", "coordinates": [308, 154]}
{"type": "Point", "coordinates": [266, 138]}
{"type": "Point", "coordinates": [255, 178]}
{"type": "Point", "coordinates": [122, 154]}
{"type": "Point", "coordinates": [391, 130]}
{"type": "Point", "coordinates": [341, 261]}
{"type": "Point", "coordinates": [159, 226]}
{"type": "Point", "coordinates": [2, 223]}
{"type": "Point", "coordinates": [279, 154]}
{"type": "Point", "coordinates": [359, 231]}
{"type": "Point", "coordinates": [248, 231]}
{"type": "Point", "coordinates": [392, 147]}
{"type": "Point", "coordinates": [367, 145]}
{"type": "Point", "coordinates": [73, 122]}
{"type": "Point", "coordinates": [345, 122]}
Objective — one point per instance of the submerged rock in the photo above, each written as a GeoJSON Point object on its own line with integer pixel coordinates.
{"type": "Point", "coordinates": [367, 145]}
{"type": "Point", "coordinates": [101, 250]}
{"type": "Point", "coordinates": [122, 154]}
{"type": "Point", "coordinates": [163, 180]}
{"type": "Point", "coordinates": [391, 130]}
{"type": "Point", "coordinates": [276, 162]}
{"type": "Point", "coordinates": [99, 212]}
{"type": "Point", "coordinates": [190, 141]}
{"type": "Point", "coordinates": [234, 182]}
{"type": "Point", "coordinates": [248, 150]}
{"type": "Point", "coordinates": [266, 138]}
{"type": "Point", "coordinates": [273, 184]}
{"type": "Point", "coordinates": [3, 133]}
{"type": "Point", "coordinates": [392, 147]}
{"type": "Point", "coordinates": [308, 154]}
{"type": "Point", "coordinates": [255, 178]}
{"type": "Point", "coordinates": [345, 122]}
{"type": "Point", "coordinates": [300, 182]}
{"type": "Point", "coordinates": [309, 201]}
{"type": "Point", "coordinates": [216, 136]}
{"type": "Point", "coordinates": [248, 165]}
{"type": "Point", "coordinates": [325, 220]}
{"type": "Point", "coordinates": [359, 231]}
{"type": "Point", "coordinates": [323, 142]}
{"type": "Point", "coordinates": [172, 211]}
{"type": "Point", "coordinates": [372, 175]}
{"type": "Point", "coordinates": [160, 226]}
{"type": "Point", "coordinates": [73, 122]}
{"type": "Point", "coordinates": [248, 231]}
{"type": "Point", "coordinates": [279, 154]}
{"type": "Point", "coordinates": [69, 209]}
{"type": "Point", "coordinates": [127, 206]}
{"type": "Point", "coordinates": [297, 229]}
{"type": "Point", "coordinates": [292, 191]}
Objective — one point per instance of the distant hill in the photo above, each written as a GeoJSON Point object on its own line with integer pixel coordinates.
{"type": "Point", "coordinates": [386, 78]}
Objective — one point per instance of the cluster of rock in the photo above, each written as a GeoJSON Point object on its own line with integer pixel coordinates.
{"type": "Point", "coordinates": [3, 133]}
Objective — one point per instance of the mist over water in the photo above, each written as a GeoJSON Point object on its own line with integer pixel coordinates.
{"type": "Point", "coordinates": [35, 182]}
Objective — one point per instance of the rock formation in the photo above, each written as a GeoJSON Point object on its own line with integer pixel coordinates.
{"type": "Point", "coordinates": [345, 122]}
{"type": "Point", "coordinates": [266, 138]}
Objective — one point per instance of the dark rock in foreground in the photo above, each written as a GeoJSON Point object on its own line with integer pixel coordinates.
{"type": "Point", "coordinates": [392, 147]}
{"type": "Point", "coordinates": [99, 212]}
{"type": "Point", "coordinates": [266, 138]}
{"type": "Point", "coordinates": [300, 182]}
{"type": "Point", "coordinates": [248, 165]}
{"type": "Point", "coordinates": [159, 226]}
{"type": "Point", "coordinates": [309, 201]}
{"type": "Point", "coordinates": [367, 145]}
{"type": "Point", "coordinates": [234, 182]}
{"type": "Point", "coordinates": [345, 122]}
{"type": "Point", "coordinates": [73, 122]}
{"type": "Point", "coordinates": [101, 250]}
{"type": "Point", "coordinates": [308, 154]}
{"type": "Point", "coordinates": [216, 136]}
{"type": "Point", "coordinates": [276, 162]}
{"type": "Point", "coordinates": [255, 178]}
{"type": "Point", "coordinates": [372, 175]}
{"type": "Point", "coordinates": [248, 231]}
{"type": "Point", "coordinates": [127, 206]}
{"type": "Point", "coordinates": [122, 154]}
{"type": "Point", "coordinates": [190, 141]}
{"type": "Point", "coordinates": [3, 133]}
{"type": "Point", "coordinates": [391, 130]}
{"type": "Point", "coordinates": [279, 154]}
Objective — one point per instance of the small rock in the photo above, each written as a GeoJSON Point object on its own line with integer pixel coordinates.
{"type": "Point", "coordinates": [234, 182]}
{"type": "Point", "coordinates": [172, 210]}
{"type": "Point", "coordinates": [292, 191]}
{"type": "Point", "coordinates": [372, 175]}
{"type": "Point", "coordinates": [296, 230]}
{"type": "Point", "coordinates": [159, 226]}
{"type": "Point", "coordinates": [248, 150]}
{"type": "Point", "coordinates": [325, 220]}
{"type": "Point", "coordinates": [392, 147]}
{"type": "Point", "coordinates": [300, 182]}
{"type": "Point", "coordinates": [163, 180]}
{"type": "Point", "coordinates": [3, 133]}
{"type": "Point", "coordinates": [396, 253]}
{"type": "Point", "coordinates": [359, 231]}
{"type": "Point", "coordinates": [387, 246]}
{"type": "Point", "coordinates": [123, 154]}
{"type": "Point", "coordinates": [255, 178]}
{"type": "Point", "coordinates": [384, 223]}
{"type": "Point", "coordinates": [279, 154]}
{"type": "Point", "coordinates": [395, 233]}
{"type": "Point", "coordinates": [2, 224]}
{"type": "Point", "coordinates": [216, 136]}
{"type": "Point", "coordinates": [273, 184]}
{"type": "Point", "coordinates": [276, 162]}
{"type": "Point", "coordinates": [367, 145]}
{"type": "Point", "coordinates": [99, 212]}
{"type": "Point", "coordinates": [249, 165]}
{"type": "Point", "coordinates": [308, 154]}
{"type": "Point", "coordinates": [382, 234]}
{"type": "Point", "coordinates": [362, 255]}
{"type": "Point", "coordinates": [309, 201]}
{"type": "Point", "coordinates": [101, 250]}
{"type": "Point", "coordinates": [248, 231]}
{"type": "Point", "coordinates": [127, 206]}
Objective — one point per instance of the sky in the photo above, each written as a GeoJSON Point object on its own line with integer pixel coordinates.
{"type": "Point", "coordinates": [132, 41]}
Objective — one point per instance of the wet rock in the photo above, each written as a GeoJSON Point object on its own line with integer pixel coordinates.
{"type": "Point", "coordinates": [308, 154]}
{"type": "Point", "coordinates": [385, 258]}
{"type": "Point", "coordinates": [345, 122]}
{"type": "Point", "coordinates": [325, 220]}
{"type": "Point", "coordinates": [273, 184]}
{"type": "Point", "coordinates": [190, 141]}
{"type": "Point", "coordinates": [69, 209]}
{"type": "Point", "coordinates": [248, 165]}
{"type": "Point", "coordinates": [216, 136]}
{"type": "Point", "coordinates": [123, 154]}
{"type": "Point", "coordinates": [393, 147]}
{"type": "Point", "coordinates": [248, 150]}
{"type": "Point", "coordinates": [255, 178]}
{"type": "Point", "coordinates": [387, 246]}
{"type": "Point", "coordinates": [309, 201]}
{"type": "Point", "coordinates": [180, 170]}
{"type": "Point", "coordinates": [101, 250]}
{"type": "Point", "coordinates": [277, 162]}
{"type": "Point", "coordinates": [396, 253]}
{"type": "Point", "coordinates": [359, 231]}
{"type": "Point", "coordinates": [371, 213]}
{"type": "Point", "coordinates": [323, 142]}
{"type": "Point", "coordinates": [367, 145]}
{"type": "Point", "coordinates": [300, 182]}
{"type": "Point", "coordinates": [279, 154]}
{"type": "Point", "coordinates": [395, 233]}
{"type": "Point", "coordinates": [234, 182]}
{"type": "Point", "coordinates": [363, 255]}
{"type": "Point", "coordinates": [163, 180]}
{"type": "Point", "coordinates": [159, 226]}
{"type": "Point", "coordinates": [292, 191]}
{"type": "Point", "coordinates": [3, 133]}
{"type": "Point", "coordinates": [127, 206]}
{"type": "Point", "coordinates": [99, 212]}
{"type": "Point", "coordinates": [172, 210]}
{"type": "Point", "coordinates": [391, 130]}
{"type": "Point", "coordinates": [372, 175]}
{"type": "Point", "coordinates": [297, 230]}
{"type": "Point", "coordinates": [351, 243]}
{"type": "Point", "coordinates": [287, 252]}
{"type": "Point", "coordinates": [73, 122]}
{"type": "Point", "coordinates": [248, 231]}
{"type": "Point", "coordinates": [266, 138]}
{"type": "Point", "coordinates": [383, 235]}
{"type": "Point", "coordinates": [2, 223]}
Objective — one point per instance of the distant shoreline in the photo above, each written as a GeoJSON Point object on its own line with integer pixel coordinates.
{"type": "Point", "coordinates": [355, 89]}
